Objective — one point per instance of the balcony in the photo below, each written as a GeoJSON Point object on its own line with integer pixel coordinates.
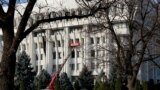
{"type": "Point", "coordinates": [74, 44]}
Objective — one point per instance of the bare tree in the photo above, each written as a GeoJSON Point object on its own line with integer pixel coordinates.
{"type": "Point", "coordinates": [12, 38]}
{"type": "Point", "coordinates": [133, 26]}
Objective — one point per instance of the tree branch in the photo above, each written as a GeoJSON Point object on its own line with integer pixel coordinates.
{"type": "Point", "coordinates": [25, 17]}
{"type": "Point", "coordinates": [37, 23]}
{"type": "Point", "coordinates": [11, 7]}
{"type": "Point", "coordinates": [1, 13]}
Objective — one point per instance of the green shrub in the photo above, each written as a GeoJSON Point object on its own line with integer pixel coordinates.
{"type": "Point", "coordinates": [76, 85]}
{"type": "Point", "coordinates": [42, 80]}
{"type": "Point", "coordinates": [65, 82]}
{"type": "Point", "coordinates": [138, 85]}
{"type": "Point", "coordinates": [86, 79]}
{"type": "Point", "coordinates": [24, 74]}
{"type": "Point", "coordinates": [22, 85]}
{"type": "Point", "coordinates": [57, 84]}
{"type": "Point", "coordinates": [145, 85]}
{"type": "Point", "coordinates": [118, 84]}
{"type": "Point", "coordinates": [97, 85]}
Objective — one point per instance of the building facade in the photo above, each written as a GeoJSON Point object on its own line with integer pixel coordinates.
{"type": "Point", "coordinates": [48, 48]}
{"type": "Point", "coordinates": [81, 42]}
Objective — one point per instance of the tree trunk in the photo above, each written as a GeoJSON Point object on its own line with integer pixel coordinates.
{"type": "Point", "coordinates": [8, 59]}
{"type": "Point", "coordinates": [131, 82]}
{"type": "Point", "coordinates": [7, 70]}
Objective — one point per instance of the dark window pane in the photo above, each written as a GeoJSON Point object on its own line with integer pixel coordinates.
{"type": "Point", "coordinates": [92, 41]}
{"type": "Point", "coordinates": [54, 55]}
{"type": "Point", "coordinates": [98, 40]}
{"type": "Point", "coordinates": [72, 66]}
{"type": "Point", "coordinates": [92, 53]}
{"type": "Point", "coordinates": [73, 54]}
{"type": "Point", "coordinates": [59, 55]}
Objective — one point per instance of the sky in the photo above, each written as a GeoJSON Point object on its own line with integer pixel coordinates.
{"type": "Point", "coordinates": [18, 1]}
{"type": "Point", "coordinates": [53, 5]}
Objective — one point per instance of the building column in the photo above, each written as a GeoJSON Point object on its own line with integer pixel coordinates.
{"type": "Point", "coordinates": [75, 59]}
{"type": "Point", "coordinates": [32, 50]}
{"type": "Point", "coordinates": [67, 51]}
{"type": "Point", "coordinates": [49, 55]}
{"type": "Point", "coordinates": [39, 55]}
{"type": "Point", "coordinates": [87, 62]}
{"type": "Point", "coordinates": [56, 50]}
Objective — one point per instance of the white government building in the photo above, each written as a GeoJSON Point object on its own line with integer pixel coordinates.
{"type": "Point", "coordinates": [49, 47]}
{"type": "Point", "coordinates": [51, 43]}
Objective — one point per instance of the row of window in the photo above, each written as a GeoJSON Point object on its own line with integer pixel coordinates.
{"type": "Point", "coordinates": [36, 69]}
{"type": "Point", "coordinates": [92, 54]}
{"type": "Point", "coordinates": [59, 54]}
{"type": "Point", "coordinates": [23, 46]}
{"type": "Point", "coordinates": [59, 31]}
{"type": "Point", "coordinates": [41, 57]}
{"type": "Point", "coordinates": [77, 40]}
{"type": "Point", "coordinates": [97, 40]}
{"type": "Point", "coordinates": [71, 30]}
{"type": "Point", "coordinates": [75, 28]}
{"type": "Point", "coordinates": [59, 43]}
{"type": "Point", "coordinates": [72, 67]}
{"type": "Point", "coordinates": [99, 53]}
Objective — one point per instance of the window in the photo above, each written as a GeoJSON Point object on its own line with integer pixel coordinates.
{"type": "Point", "coordinates": [59, 43]}
{"type": "Point", "coordinates": [35, 45]}
{"type": "Point", "coordinates": [52, 32]}
{"type": "Point", "coordinates": [72, 66]}
{"type": "Point", "coordinates": [92, 40]}
{"type": "Point", "coordinates": [82, 42]}
{"type": "Point", "coordinates": [73, 54]}
{"type": "Point", "coordinates": [71, 30]}
{"type": "Point", "coordinates": [62, 42]}
{"type": "Point", "coordinates": [54, 68]}
{"type": "Point", "coordinates": [78, 64]}
{"type": "Point", "coordinates": [59, 66]}
{"type": "Point", "coordinates": [78, 52]}
{"type": "Point", "coordinates": [53, 44]}
{"type": "Point", "coordinates": [41, 57]}
{"type": "Point", "coordinates": [54, 55]}
{"type": "Point", "coordinates": [71, 40]}
{"type": "Point", "coordinates": [92, 53]}
{"type": "Point", "coordinates": [92, 65]}
{"type": "Point", "coordinates": [77, 40]}
{"type": "Point", "coordinates": [39, 16]}
{"type": "Point", "coordinates": [36, 57]}
{"type": "Point", "coordinates": [36, 68]}
{"type": "Point", "coordinates": [98, 40]}
{"type": "Point", "coordinates": [59, 55]}
{"type": "Point", "coordinates": [41, 67]}
{"type": "Point", "coordinates": [103, 39]}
